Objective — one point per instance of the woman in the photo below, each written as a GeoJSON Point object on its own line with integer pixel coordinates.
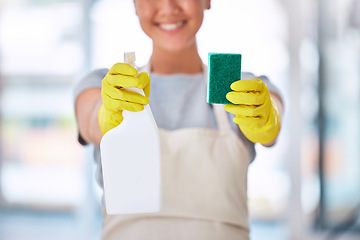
{"type": "Point", "coordinates": [205, 155]}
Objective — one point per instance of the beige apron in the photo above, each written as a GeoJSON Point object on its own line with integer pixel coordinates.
{"type": "Point", "coordinates": [204, 181]}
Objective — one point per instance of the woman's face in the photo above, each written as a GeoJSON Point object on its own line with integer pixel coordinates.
{"type": "Point", "coordinates": [171, 24]}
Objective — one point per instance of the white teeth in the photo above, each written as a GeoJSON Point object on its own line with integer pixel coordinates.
{"type": "Point", "coordinates": [171, 26]}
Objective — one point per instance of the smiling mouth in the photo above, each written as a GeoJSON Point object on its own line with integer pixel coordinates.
{"type": "Point", "coordinates": [171, 26]}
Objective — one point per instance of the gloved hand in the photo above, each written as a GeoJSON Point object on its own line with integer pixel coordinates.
{"type": "Point", "coordinates": [116, 98]}
{"type": "Point", "coordinates": [255, 112]}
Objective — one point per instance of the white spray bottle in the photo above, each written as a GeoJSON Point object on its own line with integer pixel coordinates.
{"type": "Point", "coordinates": [131, 162]}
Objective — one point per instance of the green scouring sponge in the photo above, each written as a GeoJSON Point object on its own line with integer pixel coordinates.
{"type": "Point", "coordinates": [223, 70]}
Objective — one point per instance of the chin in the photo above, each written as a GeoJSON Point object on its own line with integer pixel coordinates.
{"type": "Point", "coordinates": [176, 46]}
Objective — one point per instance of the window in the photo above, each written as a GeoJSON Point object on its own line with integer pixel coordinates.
{"type": "Point", "coordinates": [41, 54]}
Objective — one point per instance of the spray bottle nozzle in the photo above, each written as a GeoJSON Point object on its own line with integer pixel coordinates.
{"type": "Point", "coordinates": [129, 57]}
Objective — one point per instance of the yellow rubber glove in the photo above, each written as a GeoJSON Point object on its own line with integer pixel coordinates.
{"type": "Point", "coordinates": [255, 112]}
{"type": "Point", "coordinates": [116, 98]}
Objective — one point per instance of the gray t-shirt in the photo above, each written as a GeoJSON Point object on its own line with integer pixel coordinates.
{"type": "Point", "coordinates": [176, 101]}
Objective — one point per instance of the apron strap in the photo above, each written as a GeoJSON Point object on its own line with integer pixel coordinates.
{"type": "Point", "coordinates": [222, 118]}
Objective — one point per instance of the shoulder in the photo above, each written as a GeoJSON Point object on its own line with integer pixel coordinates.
{"type": "Point", "coordinates": [90, 80]}
{"type": "Point", "coordinates": [97, 74]}
{"type": "Point", "coordinates": [265, 79]}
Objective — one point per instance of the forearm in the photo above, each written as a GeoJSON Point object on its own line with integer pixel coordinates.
{"type": "Point", "coordinates": [86, 109]}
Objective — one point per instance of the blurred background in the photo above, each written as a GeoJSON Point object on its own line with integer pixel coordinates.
{"type": "Point", "coordinates": [305, 187]}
